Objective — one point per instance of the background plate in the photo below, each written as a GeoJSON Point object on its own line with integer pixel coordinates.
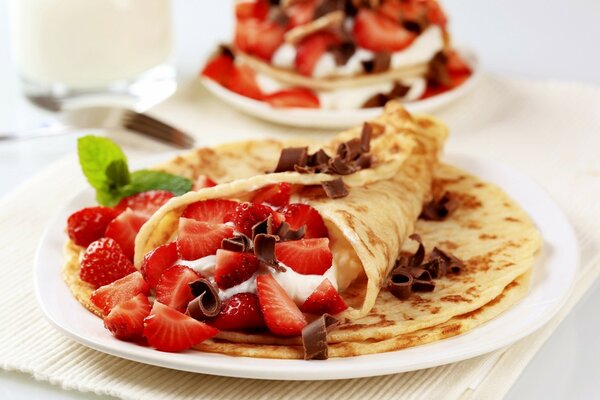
{"type": "Point", "coordinates": [553, 276]}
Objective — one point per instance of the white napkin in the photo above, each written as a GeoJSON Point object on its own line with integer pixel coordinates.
{"type": "Point", "coordinates": [550, 131]}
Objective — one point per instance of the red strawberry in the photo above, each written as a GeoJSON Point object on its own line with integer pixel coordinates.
{"type": "Point", "coordinates": [456, 65]}
{"type": "Point", "coordinates": [298, 214]}
{"type": "Point", "coordinates": [435, 14]}
{"type": "Point", "coordinates": [126, 320]}
{"type": "Point", "coordinates": [219, 69]}
{"type": "Point", "coordinates": [243, 82]}
{"type": "Point", "coordinates": [197, 239]}
{"type": "Point", "coordinates": [212, 211]}
{"type": "Point", "coordinates": [282, 315]}
{"type": "Point", "coordinates": [277, 195]}
{"type": "Point", "coordinates": [124, 229]}
{"type": "Point", "coordinates": [157, 261]}
{"type": "Point", "coordinates": [104, 262]}
{"type": "Point", "coordinates": [325, 299]}
{"type": "Point", "coordinates": [89, 224]}
{"type": "Point", "coordinates": [121, 290]}
{"type": "Point", "coordinates": [301, 12]}
{"type": "Point", "coordinates": [169, 330]}
{"type": "Point", "coordinates": [258, 38]}
{"type": "Point", "coordinates": [305, 256]}
{"type": "Point", "coordinates": [311, 48]}
{"type": "Point", "coordinates": [293, 98]}
{"type": "Point", "coordinates": [401, 11]}
{"type": "Point", "coordinates": [376, 32]}
{"type": "Point", "coordinates": [240, 311]}
{"type": "Point", "coordinates": [234, 268]}
{"type": "Point", "coordinates": [145, 203]}
{"type": "Point", "coordinates": [202, 182]}
{"type": "Point", "coordinates": [252, 9]}
{"type": "Point", "coordinates": [248, 214]}
{"type": "Point", "coordinates": [173, 287]}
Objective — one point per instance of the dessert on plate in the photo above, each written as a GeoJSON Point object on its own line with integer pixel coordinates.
{"type": "Point", "coordinates": [338, 54]}
{"type": "Point", "coordinates": [363, 244]}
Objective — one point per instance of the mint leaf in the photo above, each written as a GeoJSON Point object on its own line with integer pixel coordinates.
{"type": "Point", "coordinates": [96, 154]}
{"type": "Point", "coordinates": [117, 174]}
{"type": "Point", "coordinates": [145, 179]}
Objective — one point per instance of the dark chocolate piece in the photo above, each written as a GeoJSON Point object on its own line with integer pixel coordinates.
{"type": "Point", "coordinates": [285, 232]}
{"type": "Point", "coordinates": [328, 6]}
{"type": "Point", "coordinates": [364, 161]}
{"type": "Point", "coordinates": [314, 337]}
{"type": "Point", "coordinates": [377, 100]}
{"type": "Point", "coordinates": [365, 137]}
{"type": "Point", "coordinates": [398, 91]}
{"type": "Point", "coordinates": [419, 256]}
{"type": "Point", "coordinates": [239, 243]}
{"type": "Point", "coordinates": [448, 262]}
{"type": "Point", "coordinates": [350, 150]}
{"type": "Point", "coordinates": [412, 26]}
{"type": "Point", "coordinates": [206, 303]}
{"type": "Point", "coordinates": [265, 226]}
{"type": "Point", "coordinates": [439, 209]}
{"type": "Point", "coordinates": [342, 53]}
{"type": "Point", "coordinates": [400, 283]}
{"type": "Point", "coordinates": [290, 157]}
{"type": "Point", "coordinates": [335, 189]}
{"type": "Point", "coordinates": [380, 63]}
{"type": "Point", "coordinates": [437, 73]}
{"type": "Point", "coordinates": [422, 285]}
{"type": "Point", "coordinates": [226, 51]}
{"type": "Point", "coordinates": [264, 250]}
{"type": "Point", "coordinates": [319, 158]}
{"type": "Point", "coordinates": [338, 165]}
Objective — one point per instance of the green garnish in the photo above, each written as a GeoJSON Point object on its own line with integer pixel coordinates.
{"type": "Point", "coordinates": [105, 167]}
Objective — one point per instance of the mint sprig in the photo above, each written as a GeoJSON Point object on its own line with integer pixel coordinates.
{"type": "Point", "coordinates": [105, 166]}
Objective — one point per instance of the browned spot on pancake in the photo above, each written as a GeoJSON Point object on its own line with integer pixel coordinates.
{"type": "Point", "coordinates": [395, 149]}
{"type": "Point", "coordinates": [348, 218]}
{"type": "Point", "coordinates": [467, 201]}
{"type": "Point", "coordinates": [506, 204]}
{"type": "Point", "coordinates": [451, 329]}
{"type": "Point", "coordinates": [486, 236]}
{"type": "Point", "coordinates": [425, 123]}
{"type": "Point", "coordinates": [455, 298]}
{"type": "Point", "coordinates": [378, 129]}
{"type": "Point", "coordinates": [479, 185]}
{"type": "Point", "coordinates": [359, 208]}
{"type": "Point", "coordinates": [472, 290]}
{"type": "Point", "coordinates": [407, 317]}
{"type": "Point", "coordinates": [374, 240]}
{"type": "Point", "coordinates": [448, 244]}
{"type": "Point", "coordinates": [511, 219]}
{"type": "Point", "coordinates": [472, 225]}
{"type": "Point", "coordinates": [435, 310]}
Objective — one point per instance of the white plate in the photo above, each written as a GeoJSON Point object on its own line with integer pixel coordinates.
{"type": "Point", "coordinates": [340, 119]}
{"type": "Point", "coordinates": [554, 274]}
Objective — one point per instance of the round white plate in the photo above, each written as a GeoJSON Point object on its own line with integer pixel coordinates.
{"type": "Point", "coordinates": [552, 279]}
{"type": "Point", "coordinates": [344, 118]}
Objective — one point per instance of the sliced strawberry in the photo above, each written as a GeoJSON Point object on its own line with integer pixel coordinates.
{"type": "Point", "coordinates": [305, 256]}
{"type": "Point", "coordinates": [219, 69]}
{"type": "Point", "coordinates": [404, 10]}
{"type": "Point", "coordinates": [293, 98]}
{"type": "Point", "coordinates": [311, 48]}
{"type": "Point", "coordinates": [300, 12]}
{"type": "Point", "coordinates": [258, 38]}
{"type": "Point", "coordinates": [121, 290]}
{"type": "Point", "coordinates": [234, 268]}
{"type": "Point", "coordinates": [126, 320]}
{"type": "Point", "coordinates": [298, 215]}
{"type": "Point", "coordinates": [173, 287]}
{"type": "Point", "coordinates": [277, 195]}
{"type": "Point", "coordinates": [435, 14]}
{"type": "Point", "coordinates": [252, 9]}
{"type": "Point", "coordinates": [214, 211]}
{"type": "Point", "coordinates": [282, 315]}
{"type": "Point", "coordinates": [240, 311]}
{"type": "Point", "coordinates": [166, 329]}
{"type": "Point", "coordinates": [124, 229]}
{"type": "Point", "coordinates": [157, 261]}
{"type": "Point", "coordinates": [376, 32]}
{"type": "Point", "coordinates": [202, 182]}
{"type": "Point", "coordinates": [89, 224]}
{"type": "Point", "coordinates": [145, 203]}
{"type": "Point", "coordinates": [243, 82]}
{"type": "Point", "coordinates": [247, 215]}
{"type": "Point", "coordinates": [325, 299]}
{"type": "Point", "coordinates": [104, 262]}
{"type": "Point", "coordinates": [197, 239]}
{"type": "Point", "coordinates": [456, 64]}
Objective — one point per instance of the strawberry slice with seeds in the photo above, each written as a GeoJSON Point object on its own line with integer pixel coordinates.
{"type": "Point", "coordinates": [173, 287]}
{"type": "Point", "coordinates": [298, 215]}
{"type": "Point", "coordinates": [197, 239]}
{"type": "Point", "coordinates": [310, 50]}
{"type": "Point", "coordinates": [89, 224]}
{"type": "Point", "coordinates": [282, 315]}
{"type": "Point", "coordinates": [240, 311]}
{"type": "Point", "coordinates": [325, 299]}
{"type": "Point", "coordinates": [293, 98]}
{"type": "Point", "coordinates": [203, 181]}
{"type": "Point", "coordinates": [219, 69]}
{"type": "Point", "coordinates": [252, 9]}
{"type": "Point", "coordinates": [305, 256]}
{"type": "Point", "coordinates": [166, 329]}
{"type": "Point", "coordinates": [212, 211]}
{"type": "Point", "coordinates": [435, 14]}
{"type": "Point", "coordinates": [247, 215]}
{"type": "Point", "coordinates": [376, 32]}
{"type": "Point", "coordinates": [157, 261]}
{"type": "Point", "coordinates": [124, 229]}
{"type": "Point", "coordinates": [243, 81]}
{"type": "Point", "coordinates": [233, 268]}
{"type": "Point", "coordinates": [145, 203]}
{"type": "Point", "coordinates": [126, 320]}
{"type": "Point", "coordinates": [258, 38]}
{"type": "Point", "coordinates": [108, 296]}
{"type": "Point", "coordinates": [103, 262]}
{"type": "Point", "coordinates": [277, 195]}
{"type": "Point", "coordinates": [301, 12]}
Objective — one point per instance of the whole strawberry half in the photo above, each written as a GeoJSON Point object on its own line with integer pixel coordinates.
{"type": "Point", "coordinates": [305, 256]}
{"type": "Point", "coordinates": [282, 315]}
{"type": "Point", "coordinates": [173, 287]}
{"type": "Point", "coordinates": [124, 229]}
{"type": "Point", "coordinates": [277, 195]}
{"type": "Point", "coordinates": [214, 211]}
{"type": "Point", "coordinates": [376, 32]}
{"type": "Point", "coordinates": [166, 329]}
{"type": "Point", "coordinates": [89, 224]}
{"type": "Point", "coordinates": [311, 48]}
{"type": "Point", "coordinates": [126, 320]}
{"type": "Point", "coordinates": [157, 261]}
{"type": "Point", "coordinates": [233, 268]}
{"type": "Point", "coordinates": [103, 262]}
{"type": "Point", "coordinates": [145, 203]}
{"type": "Point", "coordinates": [293, 98]}
{"type": "Point", "coordinates": [258, 38]}
{"type": "Point", "coordinates": [197, 239]}
{"type": "Point", "coordinates": [298, 215]}
{"type": "Point", "coordinates": [108, 296]}
{"type": "Point", "coordinates": [219, 69]}
{"type": "Point", "coordinates": [240, 311]}
{"type": "Point", "coordinates": [325, 299]}
{"type": "Point", "coordinates": [243, 81]}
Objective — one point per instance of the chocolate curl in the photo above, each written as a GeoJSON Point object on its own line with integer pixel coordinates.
{"type": "Point", "coordinates": [314, 337]}
{"type": "Point", "coordinates": [447, 262]}
{"type": "Point", "coordinates": [239, 243]}
{"type": "Point", "coordinates": [439, 209]}
{"type": "Point", "coordinates": [291, 157]}
{"type": "Point", "coordinates": [335, 189]}
{"type": "Point", "coordinates": [400, 283]}
{"type": "Point", "coordinates": [365, 137]}
{"type": "Point", "coordinates": [265, 226]}
{"type": "Point", "coordinates": [285, 232]}
{"type": "Point", "coordinates": [419, 256]}
{"type": "Point", "coordinates": [422, 281]}
{"type": "Point", "coordinates": [206, 303]}
{"type": "Point", "coordinates": [264, 250]}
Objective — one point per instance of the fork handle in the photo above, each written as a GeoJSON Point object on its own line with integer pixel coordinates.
{"type": "Point", "coordinates": [35, 133]}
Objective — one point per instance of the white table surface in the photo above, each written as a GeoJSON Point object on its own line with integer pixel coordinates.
{"type": "Point", "coordinates": [524, 38]}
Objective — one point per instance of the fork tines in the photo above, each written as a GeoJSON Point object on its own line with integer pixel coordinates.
{"type": "Point", "coordinates": [147, 125]}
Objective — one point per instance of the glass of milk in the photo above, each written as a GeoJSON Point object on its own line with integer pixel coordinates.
{"type": "Point", "coordinates": [93, 49]}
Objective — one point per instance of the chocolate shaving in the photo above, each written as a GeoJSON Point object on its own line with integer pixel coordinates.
{"type": "Point", "coordinates": [285, 232]}
{"type": "Point", "coordinates": [365, 137]}
{"type": "Point", "coordinates": [290, 158]}
{"type": "Point", "coordinates": [419, 256]}
{"type": "Point", "coordinates": [335, 189]}
{"type": "Point", "coordinates": [380, 63]}
{"type": "Point", "coordinates": [264, 250]}
{"type": "Point", "coordinates": [240, 243]}
{"type": "Point", "coordinates": [439, 209]}
{"type": "Point", "coordinates": [447, 262]}
{"type": "Point", "coordinates": [342, 53]}
{"type": "Point", "coordinates": [206, 303]}
{"type": "Point", "coordinates": [364, 161]}
{"type": "Point", "coordinates": [265, 226]}
{"type": "Point", "coordinates": [437, 73]}
{"type": "Point", "coordinates": [314, 337]}
{"type": "Point", "coordinates": [340, 166]}
{"type": "Point", "coordinates": [350, 150]}
{"type": "Point", "coordinates": [319, 158]}
{"type": "Point", "coordinates": [398, 91]}
{"type": "Point", "coordinates": [226, 51]}
{"type": "Point", "coordinates": [400, 283]}
{"type": "Point", "coordinates": [380, 99]}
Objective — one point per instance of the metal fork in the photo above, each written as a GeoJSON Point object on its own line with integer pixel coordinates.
{"type": "Point", "coordinates": [107, 118]}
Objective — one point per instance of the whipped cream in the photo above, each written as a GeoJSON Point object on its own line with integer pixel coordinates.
{"type": "Point", "coordinates": [205, 266]}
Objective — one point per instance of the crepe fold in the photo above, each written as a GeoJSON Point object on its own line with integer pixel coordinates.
{"type": "Point", "coordinates": [366, 228]}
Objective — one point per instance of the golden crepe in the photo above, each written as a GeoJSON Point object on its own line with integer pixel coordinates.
{"type": "Point", "coordinates": [368, 229]}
